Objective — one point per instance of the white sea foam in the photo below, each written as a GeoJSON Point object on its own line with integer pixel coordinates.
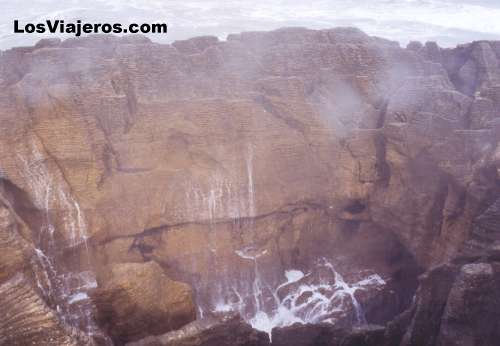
{"type": "Point", "coordinates": [78, 297]}
{"type": "Point", "coordinates": [322, 295]}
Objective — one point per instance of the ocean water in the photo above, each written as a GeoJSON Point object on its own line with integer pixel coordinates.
{"type": "Point", "coordinates": [448, 22]}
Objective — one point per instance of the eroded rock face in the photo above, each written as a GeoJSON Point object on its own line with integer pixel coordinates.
{"type": "Point", "coordinates": [241, 166]}
{"type": "Point", "coordinates": [457, 302]}
{"type": "Point", "coordinates": [137, 299]}
{"type": "Point", "coordinates": [472, 307]}
{"type": "Point", "coordinates": [27, 317]}
{"type": "Point", "coordinates": [454, 305]}
{"type": "Point", "coordinates": [27, 320]}
{"type": "Point", "coordinates": [15, 251]}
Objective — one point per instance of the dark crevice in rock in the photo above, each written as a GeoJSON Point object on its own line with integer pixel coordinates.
{"type": "Point", "coordinates": [131, 106]}
{"type": "Point", "coordinates": [456, 59]}
{"type": "Point", "coordinates": [459, 207]}
{"type": "Point", "coordinates": [355, 207]}
{"type": "Point", "coordinates": [19, 201]}
{"type": "Point", "coordinates": [382, 113]}
{"type": "Point", "coordinates": [437, 215]}
{"type": "Point", "coordinates": [382, 167]}
{"type": "Point", "coordinates": [430, 303]}
{"type": "Point", "coordinates": [273, 110]}
{"type": "Point", "coordinates": [110, 159]}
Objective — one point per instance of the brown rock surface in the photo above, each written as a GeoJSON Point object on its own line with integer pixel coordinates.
{"type": "Point", "coordinates": [137, 299]}
{"type": "Point", "coordinates": [229, 163]}
{"type": "Point", "coordinates": [15, 252]}
{"type": "Point", "coordinates": [27, 320]}
{"type": "Point", "coordinates": [226, 130]}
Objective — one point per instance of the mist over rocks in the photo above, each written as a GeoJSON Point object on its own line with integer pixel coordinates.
{"type": "Point", "coordinates": [255, 170]}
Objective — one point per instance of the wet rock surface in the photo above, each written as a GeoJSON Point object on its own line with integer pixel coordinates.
{"type": "Point", "coordinates": [328, 335]}
{"type": "Point", "coordinates": [215, 330]}
{"type": "Point", "coordinates": [27, 320]}
{"type": "Point", "coordinates": [253, 170]}
{"type": "Point", "coordinates": [369, 335]}
{"type": "Point", "coordinates": [309, 335]}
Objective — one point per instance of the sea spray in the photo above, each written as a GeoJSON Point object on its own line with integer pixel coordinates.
{"type": "Point", "coordinates": [321, 295]}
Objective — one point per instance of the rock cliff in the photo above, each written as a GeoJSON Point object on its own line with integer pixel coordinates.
{"type": "Point", "coordinates": [292, 176]}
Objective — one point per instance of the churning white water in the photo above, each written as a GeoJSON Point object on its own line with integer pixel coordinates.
{"type": "Point", "coordinates": [321, 295]}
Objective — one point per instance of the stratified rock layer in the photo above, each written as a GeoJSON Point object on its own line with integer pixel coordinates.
{"type": "Point", "coordinates": [225, 164]}
{"type": "Point", "coordinates": [148, 137]}
{"type": "Point", "coordinates": [27, 320]}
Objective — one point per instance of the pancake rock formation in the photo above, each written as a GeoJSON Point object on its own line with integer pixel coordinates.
{"type": "Point", "coordinates": [328, 187]}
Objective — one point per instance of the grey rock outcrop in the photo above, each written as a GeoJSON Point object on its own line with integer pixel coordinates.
{"type": "Point", "coordinates": [215, 330]}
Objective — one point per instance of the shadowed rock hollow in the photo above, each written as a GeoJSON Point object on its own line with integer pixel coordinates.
{"type": "Point", "coordinates": [263, 171]}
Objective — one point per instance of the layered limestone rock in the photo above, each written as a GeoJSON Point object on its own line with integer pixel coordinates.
{"type": "Point", "coordinates": [15, 252]}
{"type": "Point", "coordinates": [27, 320]}
{"type": "Point", "coordinates": [28, 317]}
{"type": "Point", "coordinates": [239, 166]}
